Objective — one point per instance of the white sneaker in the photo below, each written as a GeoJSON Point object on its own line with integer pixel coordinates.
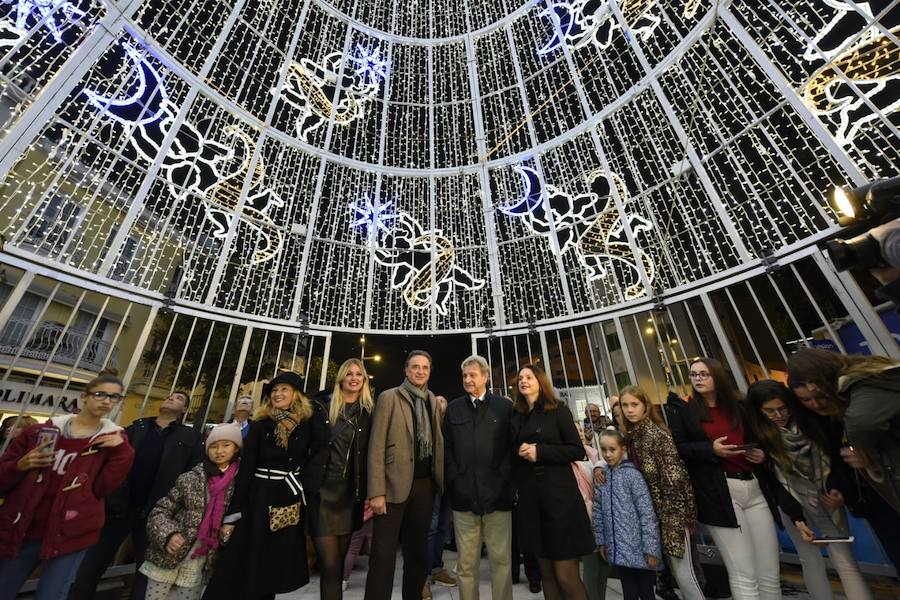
{"type": "Point", "coordinates": [345, 584]}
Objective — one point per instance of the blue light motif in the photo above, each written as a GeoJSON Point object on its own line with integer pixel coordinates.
{"type": "Point", "coordinates": [44, 10]}
{"type": "Point", "coordinates": [145, 105]}
{"type": "Point", "coordinates": [373, 215]}
{"type": "Point", "coordinates": [569, 25]}
{"type": "Point", "coordinates": [533, 197]}
{"type": "Point", "coordinates": [369, 64]}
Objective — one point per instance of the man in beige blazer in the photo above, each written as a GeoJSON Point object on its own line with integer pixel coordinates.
{"type": "Point", "coordinates": [406, 470]}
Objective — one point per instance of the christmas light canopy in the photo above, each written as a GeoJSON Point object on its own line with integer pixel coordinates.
{"type": "Point", "coordinates": [423, 166]}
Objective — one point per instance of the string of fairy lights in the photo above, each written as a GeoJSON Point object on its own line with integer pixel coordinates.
{"type": "Point", "coordinates": [336, 159]}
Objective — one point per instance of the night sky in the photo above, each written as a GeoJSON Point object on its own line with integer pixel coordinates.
{"type": "Point", "coordinates": [447, 351]}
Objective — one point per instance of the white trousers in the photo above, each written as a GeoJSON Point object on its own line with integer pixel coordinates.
{"type": "Point", "coordinates": [683, 570]}
{"type": "Point", "coordinates": [815, 574]}
{"type": "Point", "coordinates": [750, 551]}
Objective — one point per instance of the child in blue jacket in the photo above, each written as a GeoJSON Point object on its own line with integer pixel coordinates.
{"type": "Point", "coordinates": [625, 526]}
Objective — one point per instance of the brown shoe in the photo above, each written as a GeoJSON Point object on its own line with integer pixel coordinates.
{"type": "Point", "coordinates": [443, 578]}
{"type": "Point", "coordinates": [426, 592]}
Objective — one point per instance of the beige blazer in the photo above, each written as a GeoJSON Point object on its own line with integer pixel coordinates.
{"type": "Point", "coordinates": [392, 446]}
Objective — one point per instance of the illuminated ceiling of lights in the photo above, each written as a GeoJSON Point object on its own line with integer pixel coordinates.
{"type": "Point", "coordinates": [432, 166]}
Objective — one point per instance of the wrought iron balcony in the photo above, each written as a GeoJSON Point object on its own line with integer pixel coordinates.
{"type": "Point", "coordinates": [93, 351]}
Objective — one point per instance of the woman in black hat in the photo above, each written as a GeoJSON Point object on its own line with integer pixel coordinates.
{"type": "Point", "coordinates": [264, 533]}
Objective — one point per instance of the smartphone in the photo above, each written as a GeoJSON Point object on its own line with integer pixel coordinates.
{"type": "Point", "coordinates": [746, 447]}
{"type": "Point", "coordinates": [834, 540]}
{"type": "Point", "coordinates": [48, 435]}
{"type": "Point", "coordinates": [588, 426]}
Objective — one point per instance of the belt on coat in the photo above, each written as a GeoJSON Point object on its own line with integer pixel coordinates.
{"type": "Point", "coordinates": [291, 478]}
{"type": "Point", "coordinates": [744, 476]}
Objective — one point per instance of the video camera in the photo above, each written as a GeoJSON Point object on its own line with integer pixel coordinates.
{"type": "Point", "coordinates": [874, 209]}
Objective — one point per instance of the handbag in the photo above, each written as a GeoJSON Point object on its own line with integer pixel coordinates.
{"type": "Point", "coordinates": [284, 516]}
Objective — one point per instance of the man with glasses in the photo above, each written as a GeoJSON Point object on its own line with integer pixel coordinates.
{"type": "Point", "coordinates": [164, 448]}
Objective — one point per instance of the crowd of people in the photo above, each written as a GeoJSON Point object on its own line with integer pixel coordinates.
{"type": "Point", "coordinates": [230, 517]}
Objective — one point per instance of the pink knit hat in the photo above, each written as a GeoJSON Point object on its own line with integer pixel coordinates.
{"type": "Point", "coordinates": [230, 432]}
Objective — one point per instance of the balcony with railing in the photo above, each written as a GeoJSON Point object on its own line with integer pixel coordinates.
{"type": "Point", "coordinates": [93, 351]}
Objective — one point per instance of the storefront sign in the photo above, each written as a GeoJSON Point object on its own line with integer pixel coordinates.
{"type": "Point", "coordinates": [41, 401]}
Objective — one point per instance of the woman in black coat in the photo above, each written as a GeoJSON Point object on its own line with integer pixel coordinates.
{"type": "Point", "coordinates": [737, 495]}
{"type": "Point", "coordinates": [264, 535]}
{"type": "Point", "coordinates": [342, 494]}
{"type": "Point", "coordinates": [552, 522]}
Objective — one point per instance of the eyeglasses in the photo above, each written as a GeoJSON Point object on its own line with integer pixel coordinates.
{"type": "Point", "coordinates": [701, 376]}
{"type": "Point", "coordinates": [114, 398]}
{"type": "Point", "coordinates": [776, 412]}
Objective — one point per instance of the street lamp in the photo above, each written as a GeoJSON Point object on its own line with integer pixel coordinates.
{"type": "Point", "coordinates": [362, 351]}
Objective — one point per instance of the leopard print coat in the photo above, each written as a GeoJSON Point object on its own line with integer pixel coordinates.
{"type": "Point", "coordinates": [668, 480]}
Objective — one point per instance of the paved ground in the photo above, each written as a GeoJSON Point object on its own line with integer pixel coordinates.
{"type": "Point", "coordinates": [520, 591]}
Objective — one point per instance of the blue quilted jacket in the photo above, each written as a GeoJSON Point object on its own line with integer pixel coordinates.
{"type": "Point", "coordinates": [624, 520]}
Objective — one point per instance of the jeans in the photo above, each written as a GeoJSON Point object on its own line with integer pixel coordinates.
{"type": "Point", "coordinates": [683, 571]}
{"type": "Point", "coordinates": [56, 577]}
{"type": "Point", "coordinates": [101, 554]}
{"type": "Point", "coordinates": [438, 532]}
{"type": "Point", "coordinates": [815, 574]}
{"type": "Point", "coordinates": [750, 550]}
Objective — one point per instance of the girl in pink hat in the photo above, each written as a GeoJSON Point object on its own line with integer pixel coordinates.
{"type": "Point", "coordinates": [184, 528]}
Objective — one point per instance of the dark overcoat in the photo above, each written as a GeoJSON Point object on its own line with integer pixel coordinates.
{"type": "Point", "coordinates": [257, 561]}
{"type": "Point", "coordinates": [477, 466]}
{"type": "Point", "coordinates": [707, 473]}
{"type": "Point", "coordinates": [551, 519]}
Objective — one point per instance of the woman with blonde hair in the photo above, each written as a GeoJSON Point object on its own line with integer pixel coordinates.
{"type": "Point", "coordinates": [264, 533]}
{"type": "Point", "coordinates": [342, 495]}
{"type": "Point", "coordinates": [653, 452]}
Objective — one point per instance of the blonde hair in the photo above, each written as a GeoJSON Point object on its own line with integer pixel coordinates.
{"type": "Point", "coordinates": [300, 407]}
{"type": "Point", "coordinates": [337, 396]}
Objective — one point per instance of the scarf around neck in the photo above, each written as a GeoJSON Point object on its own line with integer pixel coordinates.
{"type": "Point", "coordinates": [285, 421]}
{"type": "Point", "coordinates": [423, 423]}
{"type": "Point", "coordinates": [807, 460]}
{"type": "Point", "coordinates": [208, 533]}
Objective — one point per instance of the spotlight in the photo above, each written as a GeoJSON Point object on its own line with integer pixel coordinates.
{"type": "Point", "coordinates": [876, 201]}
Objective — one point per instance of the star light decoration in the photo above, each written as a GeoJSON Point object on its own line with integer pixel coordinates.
{"type": "Point", "coordinates": [373, 215]}
{"type": "Point", "coordinates": [369, 64]}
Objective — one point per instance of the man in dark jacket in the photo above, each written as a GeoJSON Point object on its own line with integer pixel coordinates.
{"type": "Point", "coordinates": [478, 468]}
{"type": "Point", "coordinates": [164, 448]}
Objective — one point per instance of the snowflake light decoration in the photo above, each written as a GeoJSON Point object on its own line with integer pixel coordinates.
{"type": "Point", "coordinates": [369, 64]}
{"type": "Point", "coordinates": [373, 214]}
{"type": "Point", "coordinates": [45, 10]}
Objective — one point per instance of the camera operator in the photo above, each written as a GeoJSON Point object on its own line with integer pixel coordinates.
{"type": "Point", "coordinates": [874, 208]}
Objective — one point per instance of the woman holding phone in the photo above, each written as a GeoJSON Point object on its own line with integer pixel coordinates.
{"type": "Point", "coordinates": [53, 478]}
{"type": "Point", "coordinates": [737, 497]}
{"type": "Point", "coordinates": [814, 480]}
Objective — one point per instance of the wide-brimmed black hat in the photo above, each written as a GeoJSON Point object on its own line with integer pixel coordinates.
{"type": "Point", "coordinates": [288, 377]}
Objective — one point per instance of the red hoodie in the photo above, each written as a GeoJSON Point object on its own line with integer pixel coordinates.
{"type": "Point", "coordinates": [44, 503]}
